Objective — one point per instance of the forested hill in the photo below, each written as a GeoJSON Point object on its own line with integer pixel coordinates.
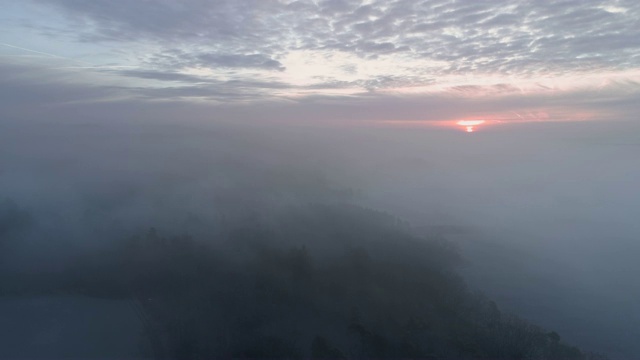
{"type": "Point", "coordinates": [320, 281]}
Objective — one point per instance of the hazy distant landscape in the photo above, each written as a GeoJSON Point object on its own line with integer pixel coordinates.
{"type": "Point", "coordinates": [57, 228]}
{"type": "Point", "coordinates": [319, 179]}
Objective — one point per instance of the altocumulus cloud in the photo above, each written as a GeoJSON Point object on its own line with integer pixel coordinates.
{"type": "Point", "coordinates": [344, 53]}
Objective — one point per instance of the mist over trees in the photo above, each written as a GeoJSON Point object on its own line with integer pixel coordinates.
{"type": "Point", "coordinates": [249, 242]}
{"type": "Point", "coordinates": [319, 179]}
{"type": "Point", "coordinates": [320, 281]}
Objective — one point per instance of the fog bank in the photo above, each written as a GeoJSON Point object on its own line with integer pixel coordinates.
{"type": "Point", "coordinates": [543, 213]}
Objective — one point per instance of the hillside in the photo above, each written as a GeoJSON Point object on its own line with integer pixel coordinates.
{"type": "Point", "coordinates": [318, 281]}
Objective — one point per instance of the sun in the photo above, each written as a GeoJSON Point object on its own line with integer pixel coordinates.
{"type": "Point", "coordinates": [470, 125]}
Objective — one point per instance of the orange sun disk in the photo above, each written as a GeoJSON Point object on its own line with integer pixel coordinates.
{"type": "Point", "coordinates": [470, 125]}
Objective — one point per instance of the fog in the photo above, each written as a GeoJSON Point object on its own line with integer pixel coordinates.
{"type": "Point", "coordinates": [549, 211]}
{"type": "Point", "coordinates": [344, 179]}
{"type": "Point", "coordinates": [543, 214]}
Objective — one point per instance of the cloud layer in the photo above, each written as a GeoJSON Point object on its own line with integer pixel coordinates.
{"type": "Point", "coordinates": [263, 50]}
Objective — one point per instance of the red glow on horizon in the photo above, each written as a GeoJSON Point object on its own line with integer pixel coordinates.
{"type": "Point", "coordinates": [473, 124]}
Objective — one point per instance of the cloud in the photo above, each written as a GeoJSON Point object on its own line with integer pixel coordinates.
{"type": "Point", "coordinates": [415, 57]}
{"type": "Point", "coordinates": [29, 91]}
{"type": "Point", "coordinates": [161, 76]}
{"type": "Point", "coordinates": [471, 36]}
{"type": "Point", "coordinates": [179, 59]}
{"type": "Point", "coordinates": [24, 87]}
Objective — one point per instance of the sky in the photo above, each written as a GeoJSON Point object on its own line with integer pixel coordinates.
{"type": "Point", "coordinates": [336, 61]}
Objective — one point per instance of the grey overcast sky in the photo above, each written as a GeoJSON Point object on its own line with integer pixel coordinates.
{"type": "Point", "coordinates": [331, 60]}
